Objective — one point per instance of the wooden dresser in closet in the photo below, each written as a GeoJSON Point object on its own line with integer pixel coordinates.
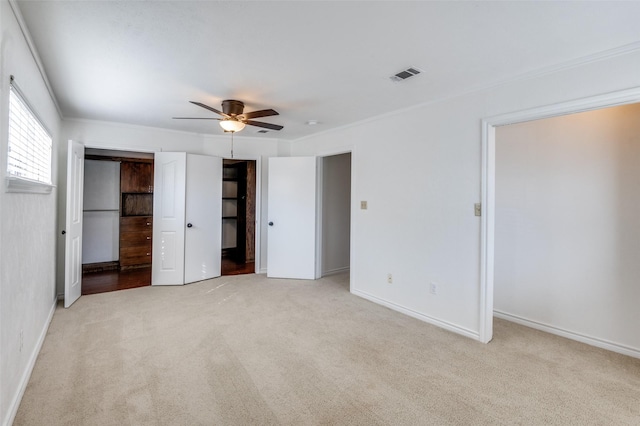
{"type": "Point", "coordinates": [136, 221]}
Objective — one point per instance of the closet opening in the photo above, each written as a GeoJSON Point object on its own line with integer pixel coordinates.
{"type": "Point", "coordinates": [238, 217]}
{"type": "Point", "coordinates": [565, 233]}
{"type": "Point", "coordinates": [335, 216]}
{"type": "Point", "coordinates": [117, 220]}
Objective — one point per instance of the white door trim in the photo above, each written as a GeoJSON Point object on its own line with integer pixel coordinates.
{"type": "Point", "coordinates": [328, 153]}
{"type": "Point", "coordinates": [487, 229]}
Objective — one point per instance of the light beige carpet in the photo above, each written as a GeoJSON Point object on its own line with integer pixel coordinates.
{"type": "Point", "coordinates": [250, 350]}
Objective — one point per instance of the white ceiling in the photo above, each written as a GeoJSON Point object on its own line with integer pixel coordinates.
{"type": "Point", "coordinates": [140, 62]}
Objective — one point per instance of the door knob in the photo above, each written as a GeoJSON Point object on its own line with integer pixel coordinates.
{"type": "Point", "coordinates": [189, 225]}
{"type": "Point", "coordinates": [270, 223]}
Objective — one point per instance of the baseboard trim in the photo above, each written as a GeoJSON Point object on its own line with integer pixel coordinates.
{"type": "Point", "coordinates": [583, 338]}
{"type": "Point", "coordinates": [26, 375]}
{"type": "Point", "coordinates": [336, 271]}
{"type": "Point", "coordinates": [422, 317]}
{"type": "Point", "coordinates": [262, 271]}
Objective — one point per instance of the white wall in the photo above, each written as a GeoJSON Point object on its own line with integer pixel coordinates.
{"type": "Point", "coordinates": [566, 235]}
{"type": "Point", "coordinates": [27, 230]}
{"type": "Point", "coordinates": [336, 213]}
{"type": "Point", "coordinates": [421, 180]}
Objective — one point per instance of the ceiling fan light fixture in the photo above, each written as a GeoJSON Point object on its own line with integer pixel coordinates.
{"type": "Point", "coordinates": [232, 125]}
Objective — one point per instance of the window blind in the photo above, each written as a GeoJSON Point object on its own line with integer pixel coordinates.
{"type": "Point", "coordinates": [29, 153]}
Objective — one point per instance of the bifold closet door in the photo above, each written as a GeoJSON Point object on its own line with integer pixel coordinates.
{"type": "Point", "coordinates": [187, 218]}
{"type": "Point", "coordinates": [73, 226]}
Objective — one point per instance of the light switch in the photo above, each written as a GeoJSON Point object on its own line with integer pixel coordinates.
{"type": "Point", "coordinates": [363, 205]}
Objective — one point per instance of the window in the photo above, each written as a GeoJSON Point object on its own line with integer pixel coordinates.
{"type": "Point", "coordinates": [30, 145]}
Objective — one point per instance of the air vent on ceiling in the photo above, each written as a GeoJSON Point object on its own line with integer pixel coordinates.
{"type": "Point", "coordinates": [262, 131]}
{"type": "Point", "coordinates": [404, 74]}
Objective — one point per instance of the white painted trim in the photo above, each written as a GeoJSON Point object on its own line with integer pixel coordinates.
{"type": "Point", "coordinates": [26, 375]}
{"type": "Point", "coordinates": [558, 331]}
{"type": "Point", "coordinates": [349, 149]}
{"type": "Point", "coordinates": [34, 53]}
{"type": "Point", "coordinates": [336, 271]}
{"type": "Point", "coordinates": [213, 136]}
{"type": "Point", "coordinates": [399, 308]}
{"type": "Point", "coordinates": [16, 184]}
{"type": "Point", "coordinates": [319, 214]}
{"type": "Point", "coordinates": [487, 221]}
{"type": "Point", "coordinates": [489, 124]}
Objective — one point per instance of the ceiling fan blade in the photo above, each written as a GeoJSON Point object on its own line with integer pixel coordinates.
{"type": "Point", "coordinates": [209, 108]}
{"type": "Point", "coordinates": [265, 125]}
{"type": "Point", "coordinates": [261, 113]}
{"type": "Point", "coordinates": [196, 118]}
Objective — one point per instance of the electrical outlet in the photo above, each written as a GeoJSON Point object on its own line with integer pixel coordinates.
{"type": "Point", "coordinates": [389, 278]}
{"type": "Point", "coordinates": [433, 288]}
{"type": "Point", "coordinates": [363, 205]}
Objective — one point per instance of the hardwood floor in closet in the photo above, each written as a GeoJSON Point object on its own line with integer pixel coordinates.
{"type": "Point", "coordinates": [102, 282]}
{"type": "Point", "coordinates": [230, 267]}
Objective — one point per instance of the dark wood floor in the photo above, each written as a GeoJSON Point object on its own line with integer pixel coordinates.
{"type": "Point", "coordinates": [104, 281]}
{"type": "Point", "coordinates": [230, 267]}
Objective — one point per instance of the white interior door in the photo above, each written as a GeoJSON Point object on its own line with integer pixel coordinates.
{"type": "Point", "coordinates": [291, 246]}
{"type": "Point", "coordinates": [73, 236]}
{"type": "Point", "coordinates": [168, 218]}
{"type": "Point", "coordinates": [203, 238]}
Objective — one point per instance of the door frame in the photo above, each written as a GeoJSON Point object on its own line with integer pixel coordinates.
{"type": "Point", "coordinates": [487, 227]}
{"type": "Point", "coordinates": [89, 145]}
{"type": "Point", "coordinates": [258, 220]}
{"type": "Point", "coordinates": [319, 200]}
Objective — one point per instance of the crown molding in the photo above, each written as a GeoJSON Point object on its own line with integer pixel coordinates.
{"type": "Point", "coordinates": [34, 53]}
{"type": "Point", "coordinates": [529, 75]}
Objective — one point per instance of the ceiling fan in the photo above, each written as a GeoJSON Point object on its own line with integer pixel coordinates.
{"type": "Point", "coordinates": [234, 119]}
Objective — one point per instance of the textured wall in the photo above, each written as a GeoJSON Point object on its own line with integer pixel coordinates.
{"type": "Point", "coordinates": [27, 230]}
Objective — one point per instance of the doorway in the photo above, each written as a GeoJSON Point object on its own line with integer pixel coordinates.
{"type": "Point", "coordinates": [335, 214]}
{"type": "Point", "coordinates": [238, 217]}
{"type": "Point", "coordinates": [566, 212]}
{"type": "Point", "coordinates": [117, 214]}
{"type": "Point", "coordinates": [488, 226]}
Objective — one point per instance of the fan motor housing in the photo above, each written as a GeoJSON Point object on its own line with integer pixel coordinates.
{"type": "Point", "coordinates": [232, 107]}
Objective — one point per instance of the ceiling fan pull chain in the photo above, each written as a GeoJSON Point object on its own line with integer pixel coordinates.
{"type": "Point", "coordinates": [232, 144]}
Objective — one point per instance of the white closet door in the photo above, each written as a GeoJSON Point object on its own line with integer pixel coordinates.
{"type": "Point", "coordinates": [73, 231]}
{"type": "Point", "coordinates": [292, 218]}
{"type": "Point", "coordinates": [168, 218]}
{"type": "Point", "coordinates": [203, 238]}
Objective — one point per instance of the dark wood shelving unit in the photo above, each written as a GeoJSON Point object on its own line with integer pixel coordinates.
{"type": "Point", "coordinates": [136, 214]}
{"type": "Point", "coordinates": [235, 175]}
